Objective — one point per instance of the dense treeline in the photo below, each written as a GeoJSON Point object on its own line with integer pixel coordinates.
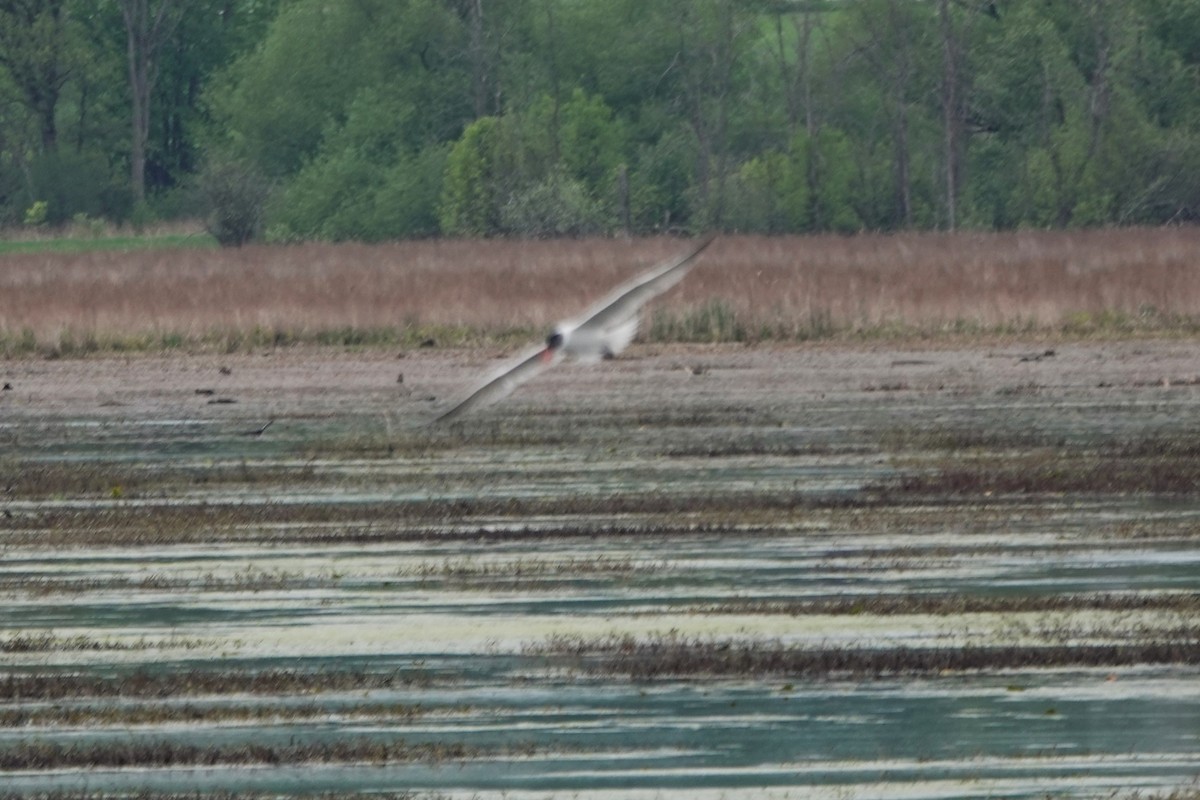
{"type": "Point", "coordinates": [380, 119]}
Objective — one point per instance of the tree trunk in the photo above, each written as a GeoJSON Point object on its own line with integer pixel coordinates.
{"type": "Point", "coordinates": [889, 52]}
{"type": "Point", "coordinates": [903, 185]}
{"type": "Point", "coordinates": [902, 77]}
{"type": "Point", "coordinates": [138, 81]}
{"type": "Point", "coordinates": [951, 118]}
{"type": "Point", "coordinates": [478, 65]}
{"type": "Point", "coordinates": [623, 200]}
{"type": "Point", "coordinates": [708, 56]}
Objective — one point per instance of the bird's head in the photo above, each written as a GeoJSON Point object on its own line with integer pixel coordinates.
{"type": "Point", "coordinates": [554, 342]}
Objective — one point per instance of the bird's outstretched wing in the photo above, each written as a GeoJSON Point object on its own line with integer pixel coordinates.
{"type": "Point", "coordinates": [501, 383]}
{"type": "Point", "coordinates": [612, 321]}
{"type": "Point", "coordinates": [624, 302]}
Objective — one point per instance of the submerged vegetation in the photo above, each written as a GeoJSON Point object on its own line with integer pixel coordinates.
{"type": "Point", "coordinates": [929, 460]}
{"type": "Point", "coordinates": [149, 794]}
{"type": "Point", "coordinates": [681, 657]}
{"type": "Point", "coordinates": [162, 753]}
{"type": "Point", "coordinates": [147, 684]}
{"type": "Point", "coordinates": [951, 604]}
{"type": "Point", "coordinates": [269, 711]}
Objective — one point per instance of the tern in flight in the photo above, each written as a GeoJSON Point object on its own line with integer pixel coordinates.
{"type": "Point", "coordinates": [603, 331]}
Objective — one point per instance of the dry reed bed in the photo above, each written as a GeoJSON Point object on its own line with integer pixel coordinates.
{"type": "Point", "coordinates": [793, 287]}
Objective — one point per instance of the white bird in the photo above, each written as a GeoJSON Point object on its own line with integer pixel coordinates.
{"type": "Point", "coordinates": [603, 331]}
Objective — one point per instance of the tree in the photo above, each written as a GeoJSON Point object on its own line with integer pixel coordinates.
{"type": "Point", "coordinates": [952, 92]}
{"type": "Point", "coordinates": [206, 38]}
{"type": "Point", "coordinates": [472, 193]}
{"type": "Point", "coordinates": [147, 28]}
{"type": "Point", "coordinates": [34, 50]}
{"type": "Point", "coordinates": [278, 104]}
{"type": "Point", "coordinates": [568, 115]}
{"type": "Point", "coordinates": [710, 49]}
{"type": "Point", "coordinates": [892, 38]}
{"type": "Point", "coordinates": [365, 182]}
{"type": "Point", "coordinates": [479, 62]}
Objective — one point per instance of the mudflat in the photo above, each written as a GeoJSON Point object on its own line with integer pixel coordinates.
{"type": "Point", "coordinates": [410, 386]}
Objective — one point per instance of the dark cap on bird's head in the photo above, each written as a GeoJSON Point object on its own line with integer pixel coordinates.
{"type": "Point", "coordinates": [553, 342]}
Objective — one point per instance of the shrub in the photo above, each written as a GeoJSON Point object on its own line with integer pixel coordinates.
{"type": "Point", "coordinates": [235, 197]}
{"type": "Point", "coordinates": [556, 206]}
{"type": "Point", "coordinates": [36, 214]}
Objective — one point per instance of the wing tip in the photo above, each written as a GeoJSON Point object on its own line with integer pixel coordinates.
{"type": "Point", "coordinates": [700, 244]}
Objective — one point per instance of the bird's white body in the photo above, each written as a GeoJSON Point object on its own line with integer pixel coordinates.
{"type": "Point", "coordinates": [603, 331]}
{"type": "Point", "coordinates": [587, 344]}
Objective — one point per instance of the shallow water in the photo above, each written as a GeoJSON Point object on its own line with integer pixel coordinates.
{"type": "Point", "coordinates": [1018, 734]}
{"type": "Point", "coordinates": [459, 600]}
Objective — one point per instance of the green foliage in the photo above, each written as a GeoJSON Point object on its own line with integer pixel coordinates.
{"type": "Point", "coordinates": [759, 195]}
{"type": "Point", "coordinates": [559, 205]}
{"type": "Point", "coordinates": [34, 51]}
{"type": "Point", "coordinates": [344, 196]}
{"type": "Point", "coordinates": [280, 102]}
{"type": "Point", "coordinates": [660, 181]}
{"type": "Point", "coordinates": [475, 183]}
{"type": "Point", "coordinates": [392, 118]}
{"type": "Point", "coordinates": [36, 214]}
{"type": "Point", "coordinates": [365, 183]}
{"type": "Point", "coordinates": [807, 189]}
{"type": "Point", "coordinates": [278, 99]}
{"type": "Point", "coordinates": [591, 139]}
{"type": "Point", "coordinates": [546, 171]}
{"type": "Point", "coordinates": [827, 161]}
{"type": "Point", "coordinates": [405, 203]}
{"type": "Point", "coordinates": [72, 183]}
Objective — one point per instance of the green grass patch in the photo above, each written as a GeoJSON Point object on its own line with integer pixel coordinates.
{"type": "Point", "coordinates": [715, 322]}
{"type": "Point", "coordinates": [74, 343]}
{"type": "Point", "coordinates": [72, 244]}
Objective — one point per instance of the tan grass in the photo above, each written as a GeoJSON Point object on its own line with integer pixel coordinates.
{"type": "Point", "coordinates": [785, 287]}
